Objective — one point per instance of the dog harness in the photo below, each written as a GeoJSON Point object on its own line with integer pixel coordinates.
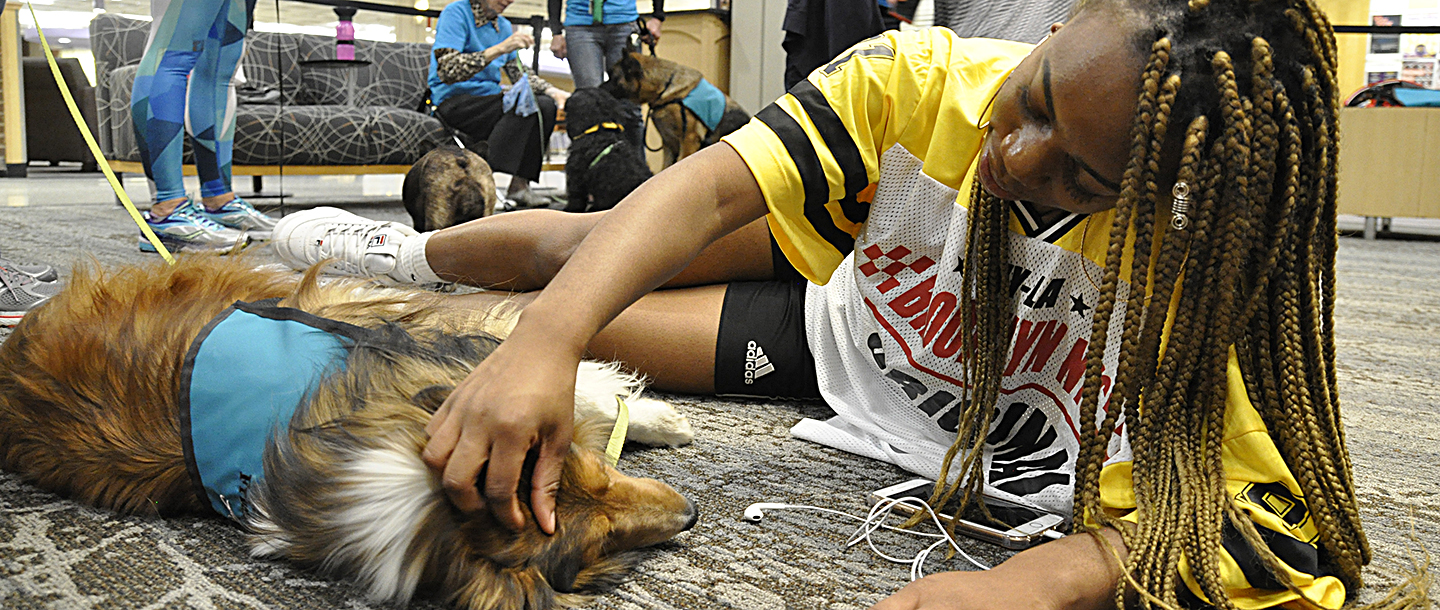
{"type": "Point", "coordinates": [243, 377]}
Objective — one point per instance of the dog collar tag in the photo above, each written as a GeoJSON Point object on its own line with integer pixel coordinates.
{"type": "Point", "coordinates": [617, 436]}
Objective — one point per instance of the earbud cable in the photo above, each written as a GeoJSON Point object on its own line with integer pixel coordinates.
{"type": "Point", "coordinates": [876, 520]}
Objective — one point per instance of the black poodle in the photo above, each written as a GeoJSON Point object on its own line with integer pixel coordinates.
{"type": "Point", "coordinates": [604, 163]}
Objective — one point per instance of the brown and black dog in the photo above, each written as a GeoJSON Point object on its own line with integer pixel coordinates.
{"type": "Point", "coordinates": [670, 89]}
{"type": "Point", "coordinates": [101, 397]}
{"type": "Point", "coordinates": [448, 186]}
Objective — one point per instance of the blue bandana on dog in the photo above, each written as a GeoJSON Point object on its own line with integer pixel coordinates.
{"type": "Point", "coordinates": [707, 102]}
{"type": "Point", "coordinates": [244, 375]}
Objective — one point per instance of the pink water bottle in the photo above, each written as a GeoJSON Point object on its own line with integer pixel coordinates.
{"type": "Point", "coordinates": [345, 34]}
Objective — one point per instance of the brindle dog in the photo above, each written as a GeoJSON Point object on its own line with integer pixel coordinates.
{"type": "Point", "coordinates": [448, 186]}
{"type": "Point", "coordinates": [664, 85]}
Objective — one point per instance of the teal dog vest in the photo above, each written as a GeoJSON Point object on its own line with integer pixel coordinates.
{"type": "Point", "coordinates": [243, 377]}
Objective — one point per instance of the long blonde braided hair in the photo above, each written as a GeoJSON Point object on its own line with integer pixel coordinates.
{"type": "Point", "coordinates": [1249, 88]}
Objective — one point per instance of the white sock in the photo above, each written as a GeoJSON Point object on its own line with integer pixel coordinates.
{"type": "Point", "coordinates": [411, 266]}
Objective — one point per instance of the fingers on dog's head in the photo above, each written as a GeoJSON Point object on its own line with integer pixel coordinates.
{"type": "Point", "coordinates": [603, 515]}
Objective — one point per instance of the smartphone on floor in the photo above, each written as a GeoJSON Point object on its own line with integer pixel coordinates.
{"type": "Point", "coordinates": [1020, 527]}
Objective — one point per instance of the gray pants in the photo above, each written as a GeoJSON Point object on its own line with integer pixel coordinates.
{"type": "Point", "coordinates": [591, 49]}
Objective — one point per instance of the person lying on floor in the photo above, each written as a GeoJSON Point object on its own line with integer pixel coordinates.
{"type": "Point", "coordinates": [991, 232]}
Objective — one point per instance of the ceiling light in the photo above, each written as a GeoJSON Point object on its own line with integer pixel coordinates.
{"type": "Point", "coordinates": [422, 5]}
{"type": "Point", "coordinates": [63, 40]}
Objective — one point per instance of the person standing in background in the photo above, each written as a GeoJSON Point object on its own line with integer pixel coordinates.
{"type": "Point", "coordinates": [816, 31]}
{"type": "Point", "coordinates": [190, 59]}
{"type": "Point", "coordinates": [599, 33]}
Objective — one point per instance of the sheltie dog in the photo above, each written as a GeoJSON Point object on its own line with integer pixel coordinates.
{"type": "Point", "coordinates": [104, 392]}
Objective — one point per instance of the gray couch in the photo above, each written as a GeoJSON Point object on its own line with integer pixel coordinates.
{"type": "Point", "coordinates": [382, 126]}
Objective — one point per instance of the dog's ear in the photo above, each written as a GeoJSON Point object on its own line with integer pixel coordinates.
{"type": "Point", "coordinates": [631, 67]}
{"type": "Point", "coordinates": [432, 397]}
{"type": "Point", "coordinates": [561, 562]}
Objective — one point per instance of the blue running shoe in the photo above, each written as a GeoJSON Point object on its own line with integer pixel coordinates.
{"type": "Point", "coordinates": [188, 229]}
{"type": "Point", "coordinates": [238, 214]}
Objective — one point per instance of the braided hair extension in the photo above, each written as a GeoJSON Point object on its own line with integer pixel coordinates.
{"type": "Point", "coordinates": [1248, 89]}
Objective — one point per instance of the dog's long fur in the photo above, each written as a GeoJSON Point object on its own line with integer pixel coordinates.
{"type": "Point", "coordinates": [661, 83]}
{"type": "Point", "coordinates": [603, 166]}
{"type": "Point", "coordinates": [89, 408]}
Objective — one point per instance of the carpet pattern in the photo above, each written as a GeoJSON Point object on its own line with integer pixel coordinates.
{"type": "Point", "coordinates": [58, 554]}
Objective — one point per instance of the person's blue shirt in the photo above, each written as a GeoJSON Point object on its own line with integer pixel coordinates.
{"type": "Point", "coordinates": [456, 30]}
{"type": "Point", "coordinates": [579, 12]}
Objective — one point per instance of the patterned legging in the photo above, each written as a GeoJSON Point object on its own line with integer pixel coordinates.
{"type": "Point", "coordinates": [199, 41]}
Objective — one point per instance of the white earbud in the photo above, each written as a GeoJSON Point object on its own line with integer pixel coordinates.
{"type": "Point", "coordinates": [753, 514]}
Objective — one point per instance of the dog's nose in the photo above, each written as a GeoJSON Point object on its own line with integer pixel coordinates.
{"type": "Point", "coordinates": [692, 515]}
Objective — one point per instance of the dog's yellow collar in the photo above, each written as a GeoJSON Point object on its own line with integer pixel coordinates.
{"type": "Point", "coordinates": [606, 125]}
{"type": "Point", "coordinates": [617, 436]}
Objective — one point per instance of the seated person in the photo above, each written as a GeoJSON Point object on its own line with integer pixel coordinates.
{"type": "Point", "coordinates": [473, 44]}
{"type": "Point", "coordinates": [1096, 273]}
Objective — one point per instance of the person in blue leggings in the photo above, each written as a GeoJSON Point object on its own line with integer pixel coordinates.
{"type": "Point", "coordinates": [194, 45]}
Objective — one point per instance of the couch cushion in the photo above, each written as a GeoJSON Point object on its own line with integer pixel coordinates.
{"type": "Point", "coordinates": [395, 75]}
{"type": "Point", "coordinates": [265, 55]}
{"type": "Point", "coordinates": [333, 135]}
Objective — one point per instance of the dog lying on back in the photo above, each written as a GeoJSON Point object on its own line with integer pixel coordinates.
{"type": "Point", "coordinates": [448, 186]}
{"type": "Point", "coordinates": [688, 111]}
{"type": "Point", "coordinates": [603, 165]}
{"type": "Point", "coordinates": [98, 402]}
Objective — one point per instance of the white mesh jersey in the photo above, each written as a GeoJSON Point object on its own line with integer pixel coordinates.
{"type": "Point", "coordinates": [887, 343]}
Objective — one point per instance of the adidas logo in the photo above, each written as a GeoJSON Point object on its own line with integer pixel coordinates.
{"type": "Point", "coordinates": [757, 364]}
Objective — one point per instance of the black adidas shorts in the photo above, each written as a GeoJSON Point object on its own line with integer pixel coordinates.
{"type": "Point", "coordinates": [761, 349]}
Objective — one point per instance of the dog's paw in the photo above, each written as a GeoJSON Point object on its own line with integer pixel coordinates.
{"type": "Point", "coordinates": [657, 423]}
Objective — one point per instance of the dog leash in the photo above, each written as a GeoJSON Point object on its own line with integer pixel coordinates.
{"type": "Point", "coordinates": [95, 147]}
{"type": "Point", "coordinates": [617, 436]}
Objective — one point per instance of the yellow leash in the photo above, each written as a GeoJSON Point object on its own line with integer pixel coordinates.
{"type": "Point", "coordinates": [617, 436]}
{"type": "Point", "coordinates": [95, 147]}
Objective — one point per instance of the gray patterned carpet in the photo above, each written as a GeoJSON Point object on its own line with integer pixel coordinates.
{"type": "Point", "coordinates": [58, 554]}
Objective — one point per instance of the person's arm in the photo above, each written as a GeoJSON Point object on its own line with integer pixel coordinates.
{"type": "Point", "coordinates": [453, 66]}
{"type": "Point", "coordinates": [1076, 572]}
{"type": "Point", "coordinates": [657, 17]}
{"type": "Point", "coordinates": [557, 28]}
{"type": "Point", "coordinates": [521, 398]}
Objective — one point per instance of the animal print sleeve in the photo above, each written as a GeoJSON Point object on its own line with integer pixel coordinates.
{"type": "Point", "coordinates": [453, 66]}
{"type": "Point", "coordinates": [540, 86]}
{"type": "Point", "coordinates": [513, 72]}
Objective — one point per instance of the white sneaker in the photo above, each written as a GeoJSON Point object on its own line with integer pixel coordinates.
{"type": "Point", "coordinates": [357, 245]}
